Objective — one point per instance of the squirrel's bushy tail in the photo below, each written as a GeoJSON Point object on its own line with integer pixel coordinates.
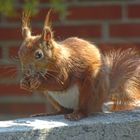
{"type": "Point", "coordinates": [124, 75]}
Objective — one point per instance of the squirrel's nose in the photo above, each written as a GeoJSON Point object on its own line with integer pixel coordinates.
{"type": "Point", "coordinates": [28, 70]}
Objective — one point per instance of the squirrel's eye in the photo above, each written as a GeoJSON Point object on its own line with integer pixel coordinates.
{"type": "Point", "coordinates": [38, 54]}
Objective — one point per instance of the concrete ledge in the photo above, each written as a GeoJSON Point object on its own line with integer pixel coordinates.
{"type": "Point", "coordinates": [110, 126]}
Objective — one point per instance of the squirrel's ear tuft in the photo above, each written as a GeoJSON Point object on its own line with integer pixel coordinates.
{"type": "Point", "coordinates": [47, 22]}
{"type": "Point", "coordinates": [47, 32]}
{"type": "Point", "coordinates": [26, 31]}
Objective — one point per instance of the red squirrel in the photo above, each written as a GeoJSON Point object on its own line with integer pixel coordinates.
{"type": "Point", "coordinates": [75, 75]}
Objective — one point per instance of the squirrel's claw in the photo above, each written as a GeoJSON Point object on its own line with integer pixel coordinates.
{"type": "Point", "coordinates": [74, 116]}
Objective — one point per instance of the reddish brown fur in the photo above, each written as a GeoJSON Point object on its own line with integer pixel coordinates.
{"type": "Point", "coordinates": [99, 78]}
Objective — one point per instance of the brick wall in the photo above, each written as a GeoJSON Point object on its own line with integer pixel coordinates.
{"type": "Point", "coordinates": [107, 23]}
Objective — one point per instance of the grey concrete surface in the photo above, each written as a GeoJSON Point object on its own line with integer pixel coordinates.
{"type": "Point", "coordinates": [103, 126]}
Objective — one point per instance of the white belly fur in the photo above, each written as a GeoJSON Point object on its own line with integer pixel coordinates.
{"type": "Point", "coordinates": [68, 98]}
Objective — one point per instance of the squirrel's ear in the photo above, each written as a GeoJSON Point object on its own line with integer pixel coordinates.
{"type": "Point", "coordinates": [26, 32]}
{"type": "Point", "coordinates": [47, 34]}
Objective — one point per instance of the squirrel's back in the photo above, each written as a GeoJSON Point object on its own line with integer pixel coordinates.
{"type": "Point", "coordinates": [82, 55]}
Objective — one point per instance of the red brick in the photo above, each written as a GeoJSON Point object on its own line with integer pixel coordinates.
{"type": "Point", "coordinates": [13, 52]}
{"type": "Point", "coordinates": [110, 46]}
{"type": "Point", "coordinates": [100, 12]}
{"type": "Point", "coordinates": [40, 16]}
{"type": "Point", "coordinates": [134, 11]}
{"type": "Point", "coordinates": [10, 33]}
{"type": "Point", "coordinates": [84, 12]}
{"type": "Point", "coordinates": [78, 30]}
{"type": "Point", "coordinates": [125, 30]}
{"type": "Point", "coordinates": [15, 18]}
{"type": "Point", "coordinates": [0, 53]}
{"type": "Point", "coordinates": [8, 71]}
{"type": "Point", "coordinates": [22, 108]}
{"type": "Point", "coordinates": [83, 31]}
{"type": "Point", "coordinates": [13, 89]}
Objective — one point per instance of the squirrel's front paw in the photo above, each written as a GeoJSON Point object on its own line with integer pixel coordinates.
{"type": "Point", "coordinates": [30, 83]}
{"type": "Point", "coordinates": [34, 83]}
{"type": "Point", "coordinates": [24, 84]}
